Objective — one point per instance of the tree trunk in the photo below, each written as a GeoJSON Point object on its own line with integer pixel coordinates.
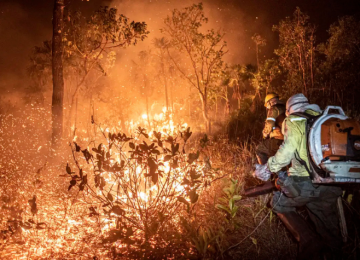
{"type": "Point", "coordinates": [227, 107]}
{"type": "Point", "coordinates": [205, 113]}
{"type": "Point", "coordinates": [147, 112]}
{"type": "Point", "coordinates": [189, 102]}
{"type": "Point", "coordinates": [166, 88]}
{"type": "Point", "coordinates": [172, 97]}
{"type": "Point", "coordinates": [257, 57]}
{"type": "Point", "coordinates": [302, 68]}
{"type": "Point", "coordinates": [89, 121]}
{"type": "Point", "coordinates": [216, 108]}
{"type": "Point", "coordinates": [75, 123]}
{"type": "Point", "coordinates": [57, 72]}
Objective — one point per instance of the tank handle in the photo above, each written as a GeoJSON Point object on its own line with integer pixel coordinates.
{"type": "Point", "coordinates": [339, 109]}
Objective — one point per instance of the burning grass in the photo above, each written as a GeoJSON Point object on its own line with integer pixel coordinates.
{"type": "Point", "coordinates": [159, 194]}
{"type": "Point", "coordinates": [124, 198]}
{"type": "Point", "coordinates": [137, 188]}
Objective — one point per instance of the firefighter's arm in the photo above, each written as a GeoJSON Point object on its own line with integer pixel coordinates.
{"type": "Point", "coordinates": [269, 122]}
{"type": "Point", "coordinates": [287, 150]}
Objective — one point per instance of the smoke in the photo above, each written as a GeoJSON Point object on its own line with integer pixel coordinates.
{"type": "Point", "coordinates": [23, 26]}
{"type": "Point", "coordinates": [224, 15]}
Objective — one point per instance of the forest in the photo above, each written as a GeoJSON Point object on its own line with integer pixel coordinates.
{"type": "Point", "coordinates": [117, 154]}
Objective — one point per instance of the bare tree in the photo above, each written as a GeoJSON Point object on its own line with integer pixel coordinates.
{"type": "Point", "coordinates": [259, 42]}
{"type": "Point", "coordinates": [297, 53]}
{"type": "Point", "coordinates": [84, 47]}
{"type": "Point", "coordinates": [203, 51]}
{"type": "Point", "coordinates": [161, 44]}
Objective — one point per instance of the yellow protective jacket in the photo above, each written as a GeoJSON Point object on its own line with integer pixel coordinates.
{"type": "Point", "coordinates": [273, 123]}
{"type": "Point", "coordinates": [294, 147]}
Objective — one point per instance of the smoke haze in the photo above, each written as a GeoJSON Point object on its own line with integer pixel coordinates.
{"type": "Point", "coordinates": [25, 24]}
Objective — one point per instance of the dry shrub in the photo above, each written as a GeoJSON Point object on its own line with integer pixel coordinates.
{"type": "Point", "coordinates": [41, 219]}
{"type": "Point", "coordinates": [119, 204]}
{"type": "Point", "coordinates": [137, 188]}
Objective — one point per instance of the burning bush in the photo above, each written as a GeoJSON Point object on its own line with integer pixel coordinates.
{"type": "Point", "coordinates": [137, 188]}
{"type": "Point", "coordinates": [138, 196]}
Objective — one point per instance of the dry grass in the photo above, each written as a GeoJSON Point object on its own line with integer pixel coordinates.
{"type": "Point", "coordinates": [204, 233]}
{"type": "Point", "coordinates": [270, 239]}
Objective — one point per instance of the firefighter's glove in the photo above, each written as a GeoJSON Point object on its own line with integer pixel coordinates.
{"type": "Point", "coordinates": [262, 172]}
{"type": "Point", "coordinates": [265, 134]}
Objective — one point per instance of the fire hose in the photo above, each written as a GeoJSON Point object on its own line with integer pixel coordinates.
{"type": "Point", "coordinates": [291, 190]}
{"type": "Point", "coordinates": [282, 182]}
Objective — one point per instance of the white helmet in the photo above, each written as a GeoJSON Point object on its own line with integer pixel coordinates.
{"type": "Point", "coordinates": [296, 100]}
{"type": "Point", "coordinates": [299, 103]}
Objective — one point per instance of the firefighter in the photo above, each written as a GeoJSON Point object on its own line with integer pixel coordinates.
{"type": "Point", "coordinates": [272, 130]}
{"type": "Point", "coordinates": [320, 200]}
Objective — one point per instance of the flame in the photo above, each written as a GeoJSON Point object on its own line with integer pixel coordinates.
{"type": "Point", "coordinates": [70, 225]}
{"type": "Point", "coordinates": [161, 122]}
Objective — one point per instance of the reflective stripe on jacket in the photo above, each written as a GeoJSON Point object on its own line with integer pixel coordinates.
{"type": "Point", "coordinates": [294, 147]}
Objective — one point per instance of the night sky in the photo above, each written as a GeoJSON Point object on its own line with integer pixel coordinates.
{"type": "Point", "coordinates": [26, 23]}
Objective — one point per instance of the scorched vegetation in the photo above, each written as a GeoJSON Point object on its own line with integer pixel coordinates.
{"type": "Point", "coordinates": [155, 152]}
